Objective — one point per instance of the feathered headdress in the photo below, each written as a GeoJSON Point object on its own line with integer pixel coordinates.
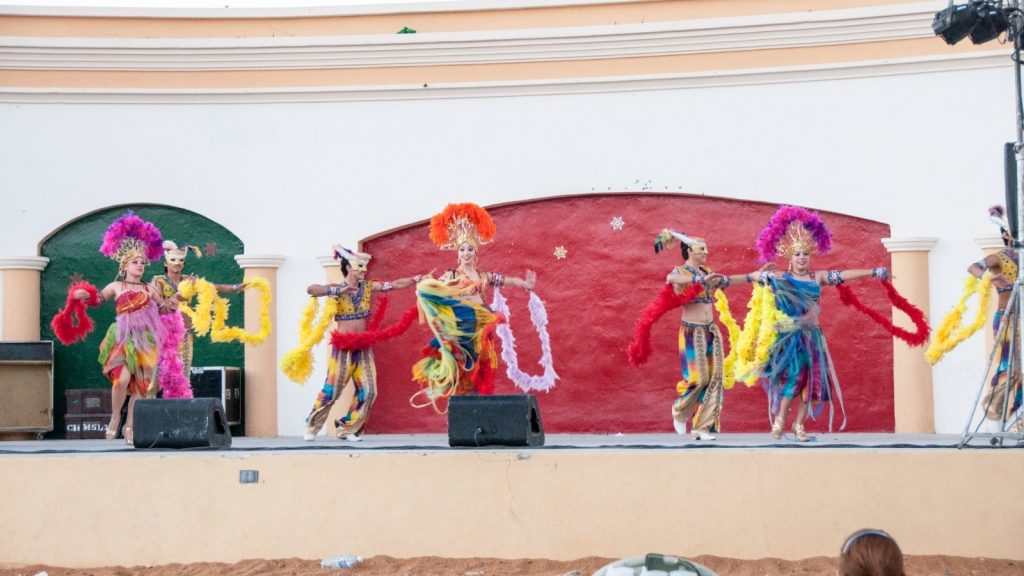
{"type": "Point", "coordinates": [358, 260]}
{"type": "Point", "coordinates": [793, 229]}
{"type": "Point", "coordinates": [171, 250]}
{"type": "Point", "coordinates": [131, 237]}
{"type": "Point", "coordinates": [459, 223]}
{"type": "Point", "coordinates": [666, 238]}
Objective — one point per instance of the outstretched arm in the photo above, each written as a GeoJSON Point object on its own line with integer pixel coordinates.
{"type": "Point", "coordinates": [317, 290]}
{"type": "Point", "coordinates": [837, 277]}
{"type": "Point", "coordinates": [401, 282]}
{"type": "Point", "coordinates": [526, 283]}
{"type": "Point", "coordinates": [990, 262]}
{"type": "Point", "coordinates": [723, 281]}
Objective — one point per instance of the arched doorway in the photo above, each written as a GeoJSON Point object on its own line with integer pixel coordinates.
{"type": "Point", "coordinates": [73, 250]}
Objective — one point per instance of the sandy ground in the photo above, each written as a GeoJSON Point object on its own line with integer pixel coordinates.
{"type": "Point", "coordinates": [430, 566]}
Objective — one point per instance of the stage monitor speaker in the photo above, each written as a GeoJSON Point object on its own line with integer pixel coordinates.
{"type": "Point", "coordinates": [512, 420]}
{"type": "Point", "coordinates": [223, 382]}
{"type": "Point", "coordinates": [181, 423]}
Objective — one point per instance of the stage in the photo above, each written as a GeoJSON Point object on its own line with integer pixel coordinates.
{"type": "Point", "coordinates": [81, 503]}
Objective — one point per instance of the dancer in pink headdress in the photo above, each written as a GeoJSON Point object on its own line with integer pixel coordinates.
{"type": "Point", "coordinates": [131, 348]}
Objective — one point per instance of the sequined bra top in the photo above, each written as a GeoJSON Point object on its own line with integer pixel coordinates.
{"type": "Point", "coordinates": [355, 305]}
{"type": "Point", "coordinates": [705, 296]}
{"type": "Point", "coordinates": [131, 301]}
{"type": "Point", "coordinates": [1008, 266]}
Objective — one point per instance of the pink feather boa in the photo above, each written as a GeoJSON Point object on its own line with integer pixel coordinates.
{"type": "Point", "coordinates": [172, 372]}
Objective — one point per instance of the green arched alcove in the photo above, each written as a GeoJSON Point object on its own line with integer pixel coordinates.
{"type": "Point", "coordinates": [73, 251]}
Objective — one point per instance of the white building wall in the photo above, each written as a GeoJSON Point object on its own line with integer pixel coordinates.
{"type": "Point", "coordinates": [922, 152]}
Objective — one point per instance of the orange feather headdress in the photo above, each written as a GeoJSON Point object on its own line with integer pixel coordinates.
{"type": "Point", "coordinates": [459, 223]}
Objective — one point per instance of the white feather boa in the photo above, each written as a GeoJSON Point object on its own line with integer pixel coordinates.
{"type": "Point", "coordinates": [539, 317]}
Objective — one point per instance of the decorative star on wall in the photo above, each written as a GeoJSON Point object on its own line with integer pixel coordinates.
{"type": "Point", "coordinates": [618, 223]}
{"type": "Point", "coordinates": [561, 252]}
{"type": "Point", "coordinates": [210, 249]}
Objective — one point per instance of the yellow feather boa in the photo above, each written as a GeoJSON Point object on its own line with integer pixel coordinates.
{"type": "Point", "coordinates": [950, 333]}
{"type": "Point", "coordinates": [728, 365]}
{"type": "Point", "coordinates": [211, 311]}
{"type": "Point", "coordinates": [297, 364]}
{"type": "Point", "coordinates": [759, 333]}
{"type": "Point", "coordinates": [206, 296]}
{"type": "Point", "coordinates": [220, 332]}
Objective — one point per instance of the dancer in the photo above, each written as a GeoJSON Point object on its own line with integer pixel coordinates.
{"type": "Point", "coordinates": [351, 358]}
{"type": "Point", "coordinates": [1001, 404]}
{"type": "Point", "coordinates": [461, 357]}
{"type": "Point", "coordinates": [701, 390]}
{"type": "Point", "coordinates": [798, 363]}
{"type": "Point", "coordinates": [167, 284]}
{"type": "Point", "coordinates": [130, 350]}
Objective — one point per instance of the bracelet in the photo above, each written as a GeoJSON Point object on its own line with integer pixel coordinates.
{"type": "Point", "coordinates": [763, 277]}
{"type": "Point", "coordinates": [725, 282]}
{"type": "Point", "coordinates": [497, 279]}
{"type": "Point", "coordinates": [750, 280]}
{"type": "Point", "coordinates": [385, 286]}
{"type": "Point", "coordinates": [880, 273]}
{"type": "Point", "coordinates": [234, 288]}
{"type": "Point", "coordinates": [835, 277]}
{"type": "Point", "coordinates": [334, 290]}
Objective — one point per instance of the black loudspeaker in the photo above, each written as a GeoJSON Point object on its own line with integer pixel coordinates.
{"type": "Point", "coordinates": [184, 423]}
{"type": "Point", "coordinates": [1010, 181]}
{"type": "Point", "coordinates": [512, 420]}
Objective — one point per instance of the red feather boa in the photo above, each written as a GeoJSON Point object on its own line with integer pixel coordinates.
{"type": "Point", "coordinates": [640, 348]}
{"type": "Point", "coordinates": [73, 323]}
{"type": "Point", "coordinates": [915, 338]}
{"type": "Point", "coordinates": [369, 337]}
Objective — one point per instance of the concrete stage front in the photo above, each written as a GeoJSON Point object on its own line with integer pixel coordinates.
{"type": "Point", "coordinates": [81, 503]}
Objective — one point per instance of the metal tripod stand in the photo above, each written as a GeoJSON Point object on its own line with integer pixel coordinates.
{"type": "Point", "coordinates": [1007, 344]}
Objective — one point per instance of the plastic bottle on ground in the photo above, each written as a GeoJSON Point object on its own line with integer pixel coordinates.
{"type": "Point", "coordinates": [346, 561]}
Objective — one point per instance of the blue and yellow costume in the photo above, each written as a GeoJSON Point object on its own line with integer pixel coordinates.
{"type": "Point", "coordinates": [799, 364]}
{"type": "Point", "coordinates": [461, 357]}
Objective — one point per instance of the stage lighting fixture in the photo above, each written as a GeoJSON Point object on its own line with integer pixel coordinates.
{"type": "Point", "coordinates": [982, 20]}
{"type": "Point", "coordinates": [993, 21]}
{"type": "Point", "coordinates": [954, 23]}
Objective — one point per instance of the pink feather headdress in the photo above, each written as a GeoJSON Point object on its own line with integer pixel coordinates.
{"type": "Point", "coordinates": [793, 228]}
{"type": "Point", "coordinates": [129, 237]}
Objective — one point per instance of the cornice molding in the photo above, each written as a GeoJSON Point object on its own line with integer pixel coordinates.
{"type": "Point", "coordinates": [760, 32]}
{"type": "Point", "coordinates": [560, 86]}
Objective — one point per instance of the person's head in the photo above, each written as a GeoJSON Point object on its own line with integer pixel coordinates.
{"type": "Point", "coordinates": [174, 257]}
{"type": "Point", "coordinates": [800, 261]}
{"type": "Point", "coordinates": [135, 268]}
{"type": "Point", "coordinates": [353, 264]}
{"type": "Point", "coordinates": [467, 253]}
{"type": "Point", "coordinates": [870, 552]}
{"type": "Point", "coordinates": [695, 251]}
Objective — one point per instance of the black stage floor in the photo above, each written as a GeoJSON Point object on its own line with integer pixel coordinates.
{"type": "Point", "coordinates": [439, 442]}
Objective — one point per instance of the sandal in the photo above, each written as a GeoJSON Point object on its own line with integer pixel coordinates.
{"type": "Point", "coordinates": [111, 433]}
{"type": "Point", "coordinates": [777, 427]}
{"type": "Point", "coordinates": [800, 432]}
{"type": "Point", "coordinates": [128, 436]}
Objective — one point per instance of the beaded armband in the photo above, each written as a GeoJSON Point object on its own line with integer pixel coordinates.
{"type": "Point", "coordinates": [763, 277]}
{"type": "Point", "coordinates": [386, 286]}
{"type": "Point", "coordinates": [881, 273]}
{"type": "Point", "coordinates": [336, 290]}
{"type": "Point", "coordinates": [725, 283]}
{"type": "Point", "coordinates": [497, 279]}
{"type": "Point", "coordinates": [835, 277]}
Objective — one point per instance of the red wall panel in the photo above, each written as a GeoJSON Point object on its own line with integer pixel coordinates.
{"type": "Point", "coordinates": [596, 293]}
